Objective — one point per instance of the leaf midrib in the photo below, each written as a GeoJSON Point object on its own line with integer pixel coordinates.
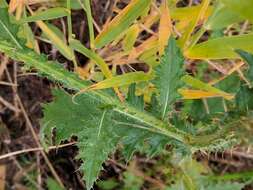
{"type": "Point", "coordinates": [10, 34]}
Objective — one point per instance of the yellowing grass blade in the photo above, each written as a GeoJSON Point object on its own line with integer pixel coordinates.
{"type": "Point", "coordinates": [149, 20]}
{"type": "Point", "coordinates": [121, 22]}
{"type": "Point", "coordinates": [197, 94]}
{"type": "Point", "coordinates": [130, 38]}
{"type": "Point", "coordinates": [148, 44]}
{"type": "Point", "coordinates": [203, 9]}
{"type": "Point", "coordinates": [48, 14]}
{"type": "Point", "coordinates": [183, 13]}
{"type": "Point", "coordinates": [13, 6]}
{"type": "Point", "coordinates": [195, 83]}
{"type": "Point", "coordinates": [121, 80]}
{"type": "Point", "coordinates": [78, 46]}
{"type": "Point", "coordinates": [242, 7]}
{"type": "Point", "coordinates": [165, 27]}
{"type": "Point", "coordinates": [221, 48]}
{"type": "Point", "coordinates": [31, 42]}
{"type": "Point", "coordinates": [56, 41]}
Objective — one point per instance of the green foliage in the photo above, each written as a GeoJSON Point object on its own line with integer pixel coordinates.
{"type": "Point", "coordinates": [225, 186]}
{"type": "Point", "coordinates": [8, 30]}
{"type": "Point", "coordinates": [168, 75]}
{"type": "Point", "coordinates": [49, 14]}
{"type": "Point", "coordinates": [99, 140]}
{"type": "Point", "coordinates": [134, 100]}
{"type": "Point", "coordinates": [132, 182]}
{"type": "Point", "coordinates": [101, 122]}
{"type": "Point", "coordinates": [97, 129]}
{"type": "Point", "coordinates": [109, 184]}
{"type": "Point", "coordinates": [53, 185]}
{"type": "Point", "coordinates": [248, 58]}
{"type": "Point", "coordinates": [194, 176]}
{"type": "Point", "coordinates": [92, 125]}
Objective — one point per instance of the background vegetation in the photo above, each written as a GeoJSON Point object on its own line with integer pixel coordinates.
{"type": "Point", "coordinates": [138, 94]}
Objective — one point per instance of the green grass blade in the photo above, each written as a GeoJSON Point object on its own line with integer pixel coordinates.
{"type": "Point", "coordinates": [79, 47]}
{"type": "Point", "coordinates": [195, 83]}
{"type": "Point", "coordinates": [65, 50]}
{"type": "Point", "coordinates": [69, 20]}
{"type": "Point", "coordinates": [121, 80]}
{"type": "Point", "coordinates": [87, 8]}
{"type": "Point", "coordinates": [130, 38]}
{"type": "Point", "coordinates": [48, 14]}
{"type": "Point", "coordinates": [222, 17]}
{"type": "Point", "coordinates": [242, 7]}
{"type": "Point", "coordinates": [221, 48]}
{"type": "Point", "coordinates": [121, 22]}
{"type": "Point", "coordinates": [8, 30]}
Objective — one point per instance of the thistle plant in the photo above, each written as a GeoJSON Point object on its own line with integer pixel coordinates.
{"type": "Point", "coordinates": [179, 109]}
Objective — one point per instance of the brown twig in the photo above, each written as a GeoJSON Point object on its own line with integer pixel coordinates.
{"type": "Point", "coordinates": [3, 65]}
{"type": "Point", "coordinates": [34, 150]}
{"type": "Point", "coordinates": [8, 105]}
{"type": "Point", "coordinates": [30, 126]}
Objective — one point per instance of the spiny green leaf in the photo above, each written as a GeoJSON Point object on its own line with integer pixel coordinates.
{"type": "Point", "coordinates": [74, 112]}
{"type": "Point", "coordinates": [89, 122]}
{"type": "Point", "coordinates": [53, 185]}
{"type": "Point", "coordinates": [168, 75]}
{"type": "Point", "coordinates": [8, 30]}
{"type": "Point", "coordinates": [51, 69]}
{"type": "Point", "coordinates": [248, 57]}
{"type": "Point", "coordinates": [134, 100]}
{"type": "Point", "coordinates": [96, 142]}
{"type": "Point", "coordinates": [243, 98]}
{"type": "Point", "coordinates": [54, 71]}
{"type": "Point", "coordinates": [154, 107]}
{"type": "Point", "coordinates": [98, 129]}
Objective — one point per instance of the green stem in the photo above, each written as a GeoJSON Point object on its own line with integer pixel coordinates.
{"type": "Point", "coordinates": [70, 32]}
{"type": "Point", "coordinates": [87, 8]}
{"type": "Point", "coordinates": [70, 80]}
{"type": "Point", "coordinates": [233, 176]}
{"type": "Point", "coordinates": [69, 20]}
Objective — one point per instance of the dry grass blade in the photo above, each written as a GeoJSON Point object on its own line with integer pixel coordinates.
{"type": "Point", "coordinates": [33, 150]}
{"type": "Point", "coordinates": [8, 105]}
{"type": "Point", "coordinates": [3, 65]}
{"type": "Point", "coordinates": [2, 176]}
{"type": "Point", "coordinates": [56, 40]}
{"type": "Point", "coordinates": [184, 41]}
{"type": "Point", "coordinates": [165, 27]}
